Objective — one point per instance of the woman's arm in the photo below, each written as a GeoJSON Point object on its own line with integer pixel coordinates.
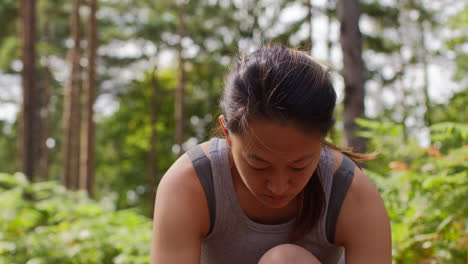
{"type": "Point", "coordinates": [363, 226]}
{"type": "Point", "coordinates": [181, 217]}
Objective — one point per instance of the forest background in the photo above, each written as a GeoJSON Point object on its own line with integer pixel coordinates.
{"type": "Point", "coordinates": [99, 97]}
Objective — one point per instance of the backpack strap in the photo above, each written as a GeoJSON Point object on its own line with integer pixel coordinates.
{"type": "Point", "coordinates": [202, 166]}
{"type": "Point", "coordinates": [342, 180]}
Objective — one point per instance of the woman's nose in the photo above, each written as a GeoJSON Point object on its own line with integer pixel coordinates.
{"type": "Point", "coordinates": [278, 185]}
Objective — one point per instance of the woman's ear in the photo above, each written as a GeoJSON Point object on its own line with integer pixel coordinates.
{"type": "Point", "coordinates": [222, 123]}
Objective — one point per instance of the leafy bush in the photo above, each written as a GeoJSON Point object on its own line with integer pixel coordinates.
{"type": "Point", "coordinates": [44, 223]}
{"type": "Point", "coordinates": [424, 191]}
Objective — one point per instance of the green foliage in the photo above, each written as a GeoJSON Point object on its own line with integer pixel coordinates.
{"type": "Point", "coordinates": [122, 156]}
{"type": "Point", "coordinates": [44, 223]}
{"type": "Point", "coordinates": [379, 44]}
{"type": "Point", "coordinates": [8, 141]}
{"type": "Point", "coordinates": [386, 15]}
{"type": "Point", "coordinates": [455, 110]}
{"type": "Point", "coordinates": [459, 23]}
{"type": "Point", "coordinates": [124, 137]}
{"type": "Point", "coordinates": [424, 191]}
{"type": "Point", "coordinates": [9, 51]}
{"type": "Point", "coordinates": [451, 134]}
{"type": "Point", "coordinates": [8, 14]}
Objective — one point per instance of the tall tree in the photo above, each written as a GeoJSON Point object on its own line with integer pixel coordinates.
{"type": "Point", "coordinates": [407, 58]}
{"type": "Point", "coordinates": [401, 84]}
{"type": "Point", "coordinates": [456, 44]}
{"type": "Point", "coordinates": [44, 159]}
{"type": "Point", "coordinates": [309, 45]}
{"type": "Point", "coordinates": [152, 164]}
{"type": "Point", "coordinates": [71, 113]}
{"type": "Point", "coordinates": [180, 89]}
{"type": "Point", "coordinates": [423, 56]}
{"type": "Point", "coordinates": [353, 70]}
{"type": "Point", "coordinates": [88, 127]}
{"type": "Point", "coordinates": [329, 11]}
{"type": "Point", "coordinates": [31, 102]}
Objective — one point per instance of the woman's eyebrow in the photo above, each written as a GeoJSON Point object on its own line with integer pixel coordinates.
{"type": "Point", "coordinates": [303, 158]}
{"type": "Point", "coordinates": [255, 157]}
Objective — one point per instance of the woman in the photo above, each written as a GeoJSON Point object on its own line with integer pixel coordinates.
{"type": "Point", "coordinates": [273, 190]}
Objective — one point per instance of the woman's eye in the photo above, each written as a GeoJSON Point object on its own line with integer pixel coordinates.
{"type": "Point", "coordinates": [298, 169]}
{"type": "Point", "coordinates": [257, 169]}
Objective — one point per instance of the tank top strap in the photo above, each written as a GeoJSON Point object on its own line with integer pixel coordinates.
{"type": "Point", "coordinates": [342, 180]}
{"type": "Point", "coordinates": [202, 166]}
{"type": "Point", "coordinates": [218, 152]}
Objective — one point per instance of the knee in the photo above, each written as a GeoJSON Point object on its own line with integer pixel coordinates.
{"type": "Point", "coordinates": [288, 254]}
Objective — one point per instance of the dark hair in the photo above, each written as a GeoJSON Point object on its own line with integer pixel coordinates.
{"type": "Point", "coordinates": [278, 83]}
{"type": "Point", "coordinates": [286, 85]}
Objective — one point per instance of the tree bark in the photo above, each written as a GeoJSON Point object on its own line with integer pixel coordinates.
{"type": "Point", "coordinates": [423, 58]}
{"type": "Point", "coordinates": [153, 170]}
{"type": "Point", "coordinates": [328, 9]}
{"type": "Point", "coordinates": [403, 89]}
{"type": "Point", "coordinates": [45, 116]}
{"type": "Point", "coordinates": [71, 145]}
{"type": "Point", "coordinates": [309, 42]}
{"type": "Point", "coordinates": [180, 89]}
{"type": "Point", "coordinates": [88, 127]}
{"type": "Point", "coordinates": [353, 71]}
{"type": "Point", "coordinates": [31, 128]}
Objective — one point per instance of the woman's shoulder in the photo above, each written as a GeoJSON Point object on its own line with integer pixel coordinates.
{"type": "Point", "coordinates": [180, 187]}
{"type": "Point", "coordinates": [183, 176]}
{"type": "Point", "coordinates": [362, 204]}
{"type": "Point", "coordinates": [361, 185]}
{"type": "Point", "coordinates": [182, 173]}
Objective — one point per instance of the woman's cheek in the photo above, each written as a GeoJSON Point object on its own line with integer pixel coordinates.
{"type": "Point", "coordinates": [255, 179]}
{"type": "Point", "coordinates": [302, 178]}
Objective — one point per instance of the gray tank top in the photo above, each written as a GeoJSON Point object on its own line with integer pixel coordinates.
{"type": "Point", "coordinates": [234, 238]}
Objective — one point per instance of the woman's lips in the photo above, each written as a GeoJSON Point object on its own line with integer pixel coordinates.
{"type": "Point", "coordinates": [276, 199]}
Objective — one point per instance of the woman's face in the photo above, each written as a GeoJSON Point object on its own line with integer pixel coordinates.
{"type": "Point", "coordinates": [275, 161]}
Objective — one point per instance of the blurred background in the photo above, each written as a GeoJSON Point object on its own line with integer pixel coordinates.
{"type": "Point", "coordinates": [99, 97]}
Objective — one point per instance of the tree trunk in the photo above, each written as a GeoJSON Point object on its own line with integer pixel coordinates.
{"type": "Point", "coordinates": [31, 128]}
{"type": "Point", "coordinates": [353, 71]}
{"type": "Point", "coordinates": [20, 139]}
{"type": "Point", "coordinates": [45, 115]}
{"type": "Point", "coordinates": [329, 11]}
{"type": "Point", "coordinates": [179, 93]}
{"type": "Point", "coordinates": [153, 170]}
{"type": "Point", "coordinates": [403, 89]}
{"type": "Point", "coordinates": [423, 58]}
{"type": "Point", "coordinates": [309, 42]}
{"type": "Point", "coordinates": [72, 106]}
{"type": "Point", "coordinates": [88, 133]}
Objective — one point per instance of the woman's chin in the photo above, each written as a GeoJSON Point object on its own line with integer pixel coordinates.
{"type": "Point", "coordinates": [275, 202]}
